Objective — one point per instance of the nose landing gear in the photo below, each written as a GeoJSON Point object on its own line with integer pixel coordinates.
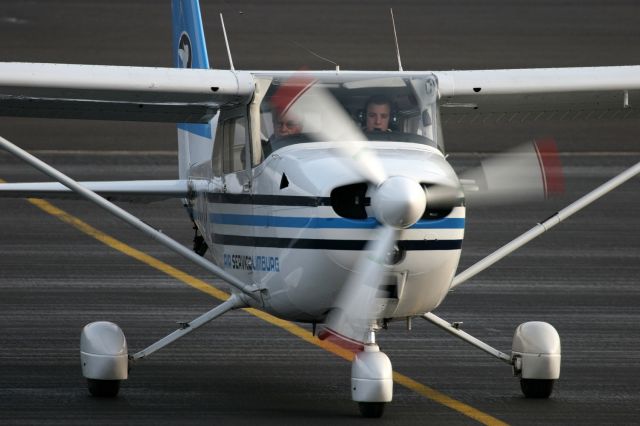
{"type": "Point", "coordinates": [371, 379]}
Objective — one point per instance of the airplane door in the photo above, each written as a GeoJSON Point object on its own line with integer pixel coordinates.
{"type": "Point", "coordinates": [231, 208]}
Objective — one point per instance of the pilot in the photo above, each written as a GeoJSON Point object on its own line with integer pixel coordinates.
{"type": "Point", "coordinates": [287, 126]}
{"type": "Point", "coordinates": [377, 114]}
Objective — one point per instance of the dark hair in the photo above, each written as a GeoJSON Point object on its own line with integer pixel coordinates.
{"type": "Point", "coordinates": [378, 100]}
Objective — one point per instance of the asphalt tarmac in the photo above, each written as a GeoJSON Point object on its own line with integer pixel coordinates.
{"type": "Point", "coordinates": [582, 276]}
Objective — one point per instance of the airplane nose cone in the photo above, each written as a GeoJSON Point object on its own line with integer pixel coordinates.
{"type": "Point", "coordinates": [399, 202]}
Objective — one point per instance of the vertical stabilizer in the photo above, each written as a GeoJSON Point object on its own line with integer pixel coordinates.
{"type": "Point", "coordinates": [195, 141]}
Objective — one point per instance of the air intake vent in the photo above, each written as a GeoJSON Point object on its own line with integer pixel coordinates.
{"type": "Point", "coordinates": [448, 199]}
{"type": "Point", "coordinates": [349, 201]}
{"type": "Point", "coordinates": [284, 182]}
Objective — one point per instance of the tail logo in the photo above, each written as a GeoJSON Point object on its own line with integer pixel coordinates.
{"type": "Point", "coordinates": [184, 50]}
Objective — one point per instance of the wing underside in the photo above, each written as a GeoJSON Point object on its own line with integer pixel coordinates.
{"type": "Point", "coordinates": [558, 94]}
{"type": "Point", "coordinates": [138, 190]}
{"type": "Point", "coordinates": [195, 95]}
{"type": "Point", "coordinates": [541, 107]}
{"type": "Point", "coordinates": [101, 92]}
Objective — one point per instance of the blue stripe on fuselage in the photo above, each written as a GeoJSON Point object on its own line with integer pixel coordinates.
{"type": "Point", "coordinates": [321, 222]}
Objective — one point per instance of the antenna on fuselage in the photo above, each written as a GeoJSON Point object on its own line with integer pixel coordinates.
{"type": "Point", "coordinates": [316, 55]}
{"type": "Point", "coordinates": [395, 36]}
{"type": "Point", "coordinates": [226, 40]}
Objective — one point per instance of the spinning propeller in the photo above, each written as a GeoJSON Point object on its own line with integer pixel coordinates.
{"type": "Point", "coordinates": [398, 202]}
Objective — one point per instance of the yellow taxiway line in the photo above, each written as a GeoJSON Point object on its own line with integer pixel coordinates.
{"type": "Point", "coordinates": [292, 328]}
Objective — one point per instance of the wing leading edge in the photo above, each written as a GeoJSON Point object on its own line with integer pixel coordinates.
{"type": "Point", "coordinates": [540, 94]}
{"type": "Point", "coordinates": [195, 95]}
{"type": "Point", "coordinates": [101, 92]}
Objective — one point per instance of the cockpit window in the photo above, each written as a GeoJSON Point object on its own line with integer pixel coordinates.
{"type": "Point", "coordinates": [382, 109]}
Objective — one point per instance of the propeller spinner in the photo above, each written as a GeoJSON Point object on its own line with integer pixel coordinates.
{"type": "Point", "coordinates": [399, 202]}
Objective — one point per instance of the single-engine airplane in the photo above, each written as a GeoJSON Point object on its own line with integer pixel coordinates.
{"type": "Point", "coordinates": [325, 197]}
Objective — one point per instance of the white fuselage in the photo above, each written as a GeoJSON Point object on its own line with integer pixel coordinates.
{"type": "Point", "coordinates": [285, 236]}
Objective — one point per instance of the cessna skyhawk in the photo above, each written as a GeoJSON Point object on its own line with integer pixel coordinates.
{"type": "Point", "coordinates": [337, 224]}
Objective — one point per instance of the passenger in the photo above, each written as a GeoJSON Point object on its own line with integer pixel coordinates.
{"type": "Point", "coordinates": [378, 114]}
{"type": "Point", "coordinates": [287, 126]}
{"type": "Point", "coordinates": [284, 126]}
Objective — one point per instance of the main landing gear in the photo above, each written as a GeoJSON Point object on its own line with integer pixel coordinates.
{"type": "Point", "coordinates": [536, 358]}
{"type": "Point", "coordinates": [104, 358]}
{"type": "Point", "coordinates": [104, 354]}
{"type": "Point", "coordinates": [535, 354]}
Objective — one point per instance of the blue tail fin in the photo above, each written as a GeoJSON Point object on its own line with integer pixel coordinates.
{"type": "Point", "coordinates": [189, 46]}
{"type": "Point", "coordinates": [195, 141]}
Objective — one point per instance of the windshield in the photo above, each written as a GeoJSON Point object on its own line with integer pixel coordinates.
{"type": "Point", "coordinates": [377, 109]}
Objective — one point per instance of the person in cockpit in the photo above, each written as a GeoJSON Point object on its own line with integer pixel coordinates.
{"type": "Point", "coordinates": [378, 114]}
{"type": "Point", "coordinates": [288, 125]}
{"type": "Point", "coordinates": [285, 125]}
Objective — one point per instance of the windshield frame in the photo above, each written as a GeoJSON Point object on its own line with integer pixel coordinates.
{"type": "Point", "coordinates": [413, 100]}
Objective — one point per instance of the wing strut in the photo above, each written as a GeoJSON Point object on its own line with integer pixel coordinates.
{"type": "Point", "coordinates": [455, 330]}
{"type": "Point", "coordinates": [249, 290]}
{"type": "Point", "coordinates": [544, 226]}
{"type": "Point", "coordinates": [232, 302]}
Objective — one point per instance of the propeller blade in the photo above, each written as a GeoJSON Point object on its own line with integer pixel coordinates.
{"type": "Point", "coordinates": [357, 305]}
{"type": "Point", "coordinates": [528, 173]}
{"type": "Point", "coordinates": [443, 196]}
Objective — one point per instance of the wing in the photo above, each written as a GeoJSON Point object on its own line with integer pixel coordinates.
{"type": "Point", "coordinates": [537, 94]}
{"type": "Point", "coordinates": [138, 190]}
{"type": "Point", "coordinates": [117, 93]}
{"type": "Point", "coordinates": [101, 92]}
{"type": "Point", "coordinates": [192, 95]}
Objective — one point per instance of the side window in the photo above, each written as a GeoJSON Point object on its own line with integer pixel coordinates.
{"type": "Point", "coordinates": [217, 152]}
{"type": "Point", "coordinates": [235, 136]}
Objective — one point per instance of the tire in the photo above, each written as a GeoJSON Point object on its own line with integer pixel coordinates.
{"type": "Point", "coordinates": [372, 410]}
{"type": "Point", "coordinates": [103, 388]}
{"type": "Point", "coordinates": [537, 388]}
